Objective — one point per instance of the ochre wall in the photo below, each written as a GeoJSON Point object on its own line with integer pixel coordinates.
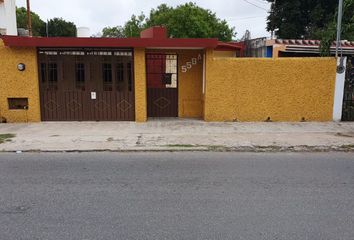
{"type": "Point", "coordinates": [190, 85]}
{"type": "Point", "coordinates": [16, 84]}
{"type": "Point", "coordinates": [284, 89]}
{"type": "Point", "coordinates": [140, 85]}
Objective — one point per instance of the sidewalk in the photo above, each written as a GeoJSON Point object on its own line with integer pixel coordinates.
{"type": "Point", "coordinates": [178, 135]}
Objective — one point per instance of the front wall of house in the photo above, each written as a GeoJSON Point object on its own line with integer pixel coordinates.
{"type": "Point", "coordinates": [190, 81]}
{"type": "Point", "coordinates": [140, 85]}
{"type": "Point", "coordinates": [190, 86]}
{"type": "Point", "coordinates": [16, 84]}
{"type": "Point", "coordinates": [286, 89]}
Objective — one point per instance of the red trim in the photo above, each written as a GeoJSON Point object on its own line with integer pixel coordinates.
{"type": "Point", "coordinates": [154, 32]}
{"type": "Point", "coordinates": [14, 41]}
{"type": "Point", "coordinates": [231, 46]}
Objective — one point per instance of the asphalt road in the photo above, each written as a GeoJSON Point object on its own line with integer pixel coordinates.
{"type": "Point", "coordinates": [91, 196]}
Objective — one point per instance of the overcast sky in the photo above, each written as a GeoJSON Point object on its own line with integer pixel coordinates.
{"type": "Point", "coordinates": [97, 14]}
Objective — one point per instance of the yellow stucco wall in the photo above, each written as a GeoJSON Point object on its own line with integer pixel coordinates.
{"type": "Point", "coordinates": [140, 85]}
{"type": "Point", "coordinates": [190, 85]}
{"type": "Point", "coordinates": [16, 84]}
{"type": "Point", "coordinates": [284, 89]}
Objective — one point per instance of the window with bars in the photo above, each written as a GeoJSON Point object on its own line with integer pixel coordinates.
{"type": "Point", "coordinates": [80, 76]}
{"type": "Point", "coordinates": [52, 73]}
{"type": "Point", "coordinates": [49, 75]}
{"type": "Point", "coordinates": [120, 77]}
{"type": "Point", "coordinates": [130, 77]}
{"type": "Point", "coordinates": [107, 76]}
{"type": "Point", "coordinates": [43, 72]}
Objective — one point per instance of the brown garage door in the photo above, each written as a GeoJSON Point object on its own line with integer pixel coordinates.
{"type": "Point", "coordinates": [86, 85]}
{"type": "Point", "coordinates": [162, 82]}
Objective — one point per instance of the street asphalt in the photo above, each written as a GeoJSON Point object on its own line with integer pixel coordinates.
{"type": "Point", "coordinates": [93, 196]}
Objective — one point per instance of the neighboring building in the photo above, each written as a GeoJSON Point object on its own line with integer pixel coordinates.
{"type": "Point", "coordinates": [258, 48]}
{"type": "Point", "coordinates": [265, 48]}
{"type": "Point", "coordinates": [8, 23]}
{"type": "Point", "coordinates": [305, 48]}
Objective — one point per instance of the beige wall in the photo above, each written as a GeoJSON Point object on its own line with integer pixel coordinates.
{"type": "Point", "coordinates": [284, 89]}
{"type": "Point", "coordinates": [16, 84]}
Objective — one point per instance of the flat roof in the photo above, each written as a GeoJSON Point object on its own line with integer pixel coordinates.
{"type": "Point", "coordinates": [16, 41]}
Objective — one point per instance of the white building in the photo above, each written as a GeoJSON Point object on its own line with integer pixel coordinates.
{"type": "Point", "coordinates": [8, 23]}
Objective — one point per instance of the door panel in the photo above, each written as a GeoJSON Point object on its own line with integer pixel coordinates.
{"type": "Point", "coordinates": [162, 83]}
{"type": "Point", "coordinates": [67, 79]}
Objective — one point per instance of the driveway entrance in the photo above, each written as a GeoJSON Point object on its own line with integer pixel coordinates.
{"type": "Point", "coordinates": [86, 84]}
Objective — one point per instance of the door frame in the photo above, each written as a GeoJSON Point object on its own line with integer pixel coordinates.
{"type": "Point", "coordinates": [177, 78]}
{"type": "Point", "coordinates": [116, 114]}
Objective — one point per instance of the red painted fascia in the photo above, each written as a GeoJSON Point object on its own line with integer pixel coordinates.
{"type": "Point", "coordinates": [14, 41]}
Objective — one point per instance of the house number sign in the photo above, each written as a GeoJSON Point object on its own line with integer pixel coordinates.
{"type": "Point", "coordinates": [189, 65]}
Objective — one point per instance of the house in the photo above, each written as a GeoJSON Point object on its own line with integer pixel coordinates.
{"type": "Point", "coordinates": [153, 76]}
{"type": "Point", "coordinates": [94, 79]}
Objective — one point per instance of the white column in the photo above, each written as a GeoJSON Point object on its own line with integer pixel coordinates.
{"type": "Point", "coordinates": [339, 93]}
{"type": "Point", "coordinates": [10, 15]}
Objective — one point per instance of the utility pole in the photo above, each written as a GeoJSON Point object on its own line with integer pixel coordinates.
{"type": "Point", "coordinates": [339, 26]}
{"type": "Point", "coordinates": [29, 18]}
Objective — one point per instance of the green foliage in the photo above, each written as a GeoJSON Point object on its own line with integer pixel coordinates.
{"type": "Point", "coordinates": [116, 32]}
{"type": "Point", "coordinates": [6, 137]}
{"type": "Point", "coordinates": [302, 19]}
{"type": "Point", "coordinates": [184, 21]}
{"type": "Point", "coordinates": [38, 26]}
{"type": "Point", "coordinates": [190, 21]}
{"type": "Point", "coordinates": [58, 27]}
{"type": "Point", "coordinates": [134, 26]}
{"type": "Point", "coordinates": [311, 19]}
{"type": "Point", "coordinates": [328, 35]}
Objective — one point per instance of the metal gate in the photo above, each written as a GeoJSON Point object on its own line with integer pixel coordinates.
{"type": "Point", "coordinates": [86, 84]}
{"type": "Point", "coordinates": [162, 83]}
{"type": "Point", "coordinates": [348, 102]}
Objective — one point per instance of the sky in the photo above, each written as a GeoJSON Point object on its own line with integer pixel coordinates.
{"type": "Point", "coordinates": [97, 14]}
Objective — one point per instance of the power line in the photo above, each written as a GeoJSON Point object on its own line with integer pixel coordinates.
{"type": "Point", "coordinates": [255, 5]}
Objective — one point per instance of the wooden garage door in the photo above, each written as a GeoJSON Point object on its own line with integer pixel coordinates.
{"type": "Point", "coordinates": [86, 85]}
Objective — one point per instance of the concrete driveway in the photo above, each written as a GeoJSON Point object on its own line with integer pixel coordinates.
{"type": "Point", "coordinates": [177, 135]}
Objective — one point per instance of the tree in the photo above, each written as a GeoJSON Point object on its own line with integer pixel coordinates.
{"type": "Point", "coordinates": [58, 27]}
{"type": "Point", "coordinates": [190, 21]}
{"type": "Point", "coordinates": [134, 26]}
{"type": "Point", "coordinates": [116, 32]}
{"type": "Point", "coordinates": [329, 34]}
{"type": "Point", "coordinates": [38, 25]}
{"type": "Point", "coordinates": [184, 21]}
{"type": "Point", "coordinates": [302, 19]}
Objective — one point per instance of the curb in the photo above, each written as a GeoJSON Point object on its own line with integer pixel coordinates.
{"type": "Point", "coordinates": [251, 149]}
